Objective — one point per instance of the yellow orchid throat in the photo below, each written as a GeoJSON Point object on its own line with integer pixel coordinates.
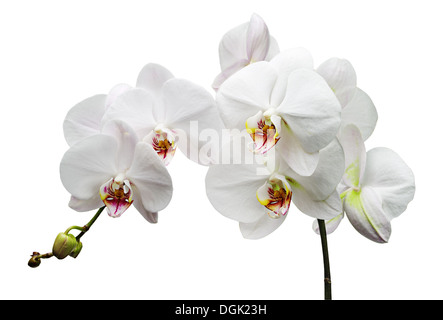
{"type": "Point", "coordinates": [162, 140]}
{"type": "Point", "coordinates": [263, 132]}
{"type": "Point", "coordinates": [116, 194]}
{"type": "Point", "coordinates": [275, 195]}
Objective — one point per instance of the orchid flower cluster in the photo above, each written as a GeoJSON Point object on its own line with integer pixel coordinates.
{"type": "Point", "coordinates": [309, 126]}
{"type": "Point", "coordinates": [121, 143]}
{"type": "Point", "coordinates": [305, 127]}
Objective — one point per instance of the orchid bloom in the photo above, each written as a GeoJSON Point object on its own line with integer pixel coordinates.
{"type": "Point", "coordinates": [260, 201]}
{"type": "Point", "coordinates": [377, 187]}
{"type": "Point", "coordinates": [116, 170]}
{"type": "Point", "coordinates": [284, 104]}
{"type": "Point", "coordinates": [357, 107]}
{"type": "Point", "coordinates": [245, 44]}
{"type": "Point", "coordinates": [175, 105]}
{"type": "Point", "coordinates": [164, 118]}
{"type": "Point", "coordinates": [86, 118]}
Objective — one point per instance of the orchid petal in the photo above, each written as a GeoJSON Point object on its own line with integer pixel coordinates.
{"type": "Point", "coordinates": [229, 71]}
{"type": "Point", "coordinates": [126, 139]}
{"type": "Point", "coordinates": [84, 119]}
{"type": "Point", "coordinates": [319, 209]}
{"type": "Point", "coordinates": [115, 92]}
{"type": "Point", "coordinates": [245, 93]}
{"type": "Point", "coordinates": [364, 211]}
{"type": "Point", "coordinates": [151, 217]}
{"type": "Point", "coordinates": [355, 155]}
{"type": "Point", "coordinates": [261, 227]}
{"type": "Point", "coordinates": [231, 189]}
{"type": "Point", "coordinates": [361, 112]}
{"type": "Point", "coordinates": [88, 164]}
{"type": "Point", "coordinates": [391, 177]}
{"type": "Point", "coordinates": [135, 107]}
{"type": "Point", "coordinates": [327, 175]}
{"type": "Point", "coordinates": [341, 77]}
{"type": "Point", "coordinates": [285, 63]}
{"type": "Point", "coordinates": [273, 50]}
{"type": "Point", "coordinates": [292, 59]}
{"type": "Point", "coordinates": [257, 39]}
{"type": "Point", "coordinates": [184, 101]}
{"type": "Point", "coordinates": [152, 77]}
{"type": "Point", "coordinates": [291, 150]}
{"type": "Point", "coordinates": [331, 224]}
{"type": "Point", "coordinates": [310, 109]}
{"type": "Point", "coordinates": [85, 205]}
{"type": "Point", "coordinates": [189, 109]}
{"type": "Point", "coordinates": [151, 178]}
{"type": "Point", "coordinates": [232, 47]}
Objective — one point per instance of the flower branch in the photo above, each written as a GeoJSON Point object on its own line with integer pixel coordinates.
{"type": "Point", "coordinates": [65, 244]}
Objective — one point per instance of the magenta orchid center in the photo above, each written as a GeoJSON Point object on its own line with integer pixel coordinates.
{"type": "Point", "coordinates": [263, 131]}
{"type": "Point", "coordinates": [116, 194]}
{"type": "Point", "coordinates": [162, 140]}
{"type": "Point", "coordinates": [276, 196]}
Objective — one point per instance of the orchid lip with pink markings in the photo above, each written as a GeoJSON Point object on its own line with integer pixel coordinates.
{"type": "Point", "coordinates": [116, 194]}
{"type": "Point", "coordinates": [163, 141]}
{"type": "Point", "coordinates": [275, 195]}
{"type": "Point", "coordinates": [264, 130]}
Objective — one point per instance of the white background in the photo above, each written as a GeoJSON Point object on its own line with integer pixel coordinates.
{"type": "Point", "coordinates": [54, 54]}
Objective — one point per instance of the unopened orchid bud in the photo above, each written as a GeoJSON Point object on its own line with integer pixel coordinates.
{"type": "Point", "coordinates": [77, 250]}
{"type": "Point", "coordinates": [35, 260]}
{"type": "Point", "coordinates": [64, 244]}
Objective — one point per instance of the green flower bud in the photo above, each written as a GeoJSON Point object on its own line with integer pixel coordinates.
{"type": "Point", "coordinates": [64, 244]}
{"type": "Point", "coordinates": [35, 260]}
{"type": "Point", "coordinates": [77, 250]}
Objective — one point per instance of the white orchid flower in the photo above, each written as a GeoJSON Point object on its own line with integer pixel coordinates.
{"type": "Point", "coordinates": [167, 109]}
{"type": "Point", "coordinates": [86, 118]}
{"type": "Point", "coordinates": [245, 44]}
{"type": "Point", "coordinates": [283, 103]}
{"type": "Point", "coordinates": [165, 118]}
{"type": "Point", "coordinates": [377, 187]}
{"type": "Point", "coordinates": [260, 202]}
{"type": "Point", "coordinates": [115, 169]}
{"type": "Point", "coordinates": [357, 107]}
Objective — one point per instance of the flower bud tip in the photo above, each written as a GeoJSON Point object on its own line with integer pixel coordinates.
{"type": "Point", "coordinates": [77, 250]}
{"type": "Point", "coordinates": [64, 244]}
{"type": "Point", "coordinates": [35, 260]}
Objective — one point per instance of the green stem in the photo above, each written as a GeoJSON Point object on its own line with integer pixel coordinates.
{"type": "Point", "coordinates": [86, 227]}
{"type": "Point", "coordinates": [74, 228]}
{"type": "Point", "coordinates": [44, 256]}
{"type": "Point", "coordinates": [36, 257]}
{"type": "Point", "coordinates": [324, 247]}
{"type": "Point", "coordinates": [89, 224]}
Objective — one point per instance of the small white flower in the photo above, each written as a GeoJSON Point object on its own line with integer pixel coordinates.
{"type": "Point", "coordinates": [163, 117]}
{"type": "Point", "coordinates": [248, 43]}
{"type": "Point", "coordinates": [377, 186]}
{"type": "Point", "coordinates": [261, 202]}
{"type": "Point", "coordinates": [283, 103]}
{"type": "Point", "coordinates": [160, 108]}
{"type": "Point", "coordinates": [115, 169]}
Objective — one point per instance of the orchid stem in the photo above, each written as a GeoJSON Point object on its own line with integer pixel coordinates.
{"type": "Point", "coordinates": [36, 257]}
{"type": "Point", "coordinates": [324, 247]}
{"type": "Point", "coordinates": [89, 224]}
